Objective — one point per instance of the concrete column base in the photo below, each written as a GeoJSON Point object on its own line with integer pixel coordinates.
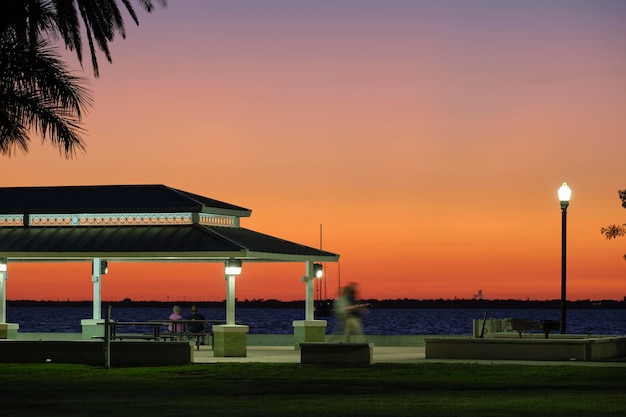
{"type": "Point", "coordinates": [92, 328]}
{"type": "Point", "coordinates": [9, 330]}
{"type": "Point", "coordinates": [229, 340]}
{"type": "Point", "coordinates": [308, 331]}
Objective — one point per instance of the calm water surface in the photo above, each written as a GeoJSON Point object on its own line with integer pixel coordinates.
{"type": "Point", "coordinates": [443, 321]}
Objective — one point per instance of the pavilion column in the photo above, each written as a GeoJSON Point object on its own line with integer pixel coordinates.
{"type": "Point", "coordinates": [97, 297]}
{"type": "Point", "coordinates": [7, 330]}
{"type": "Point", "coordinates": [230, 339]}
{"type": "Point", "coordinates": [94, 327]}
{"type": "Point", "coordinates": [309, 329]}
{"type": "Point", "coordinates": [309, 303]}
{"type": "Point", "coordinates": [230, 300]}
{"type": "Point", "coordinates": [3, 291]}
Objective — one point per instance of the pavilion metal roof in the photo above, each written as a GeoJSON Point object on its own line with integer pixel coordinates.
{"type": "Point", "coordinates": [110, 199]}
{"type": "Point", "coordinates": [143, 242]}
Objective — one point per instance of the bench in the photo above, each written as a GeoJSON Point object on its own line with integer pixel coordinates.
{"type": "Point", "coordinates": [522, 325]}
{"type": "Point", "coordinates": [548, 325]}
{"type": "Point", "coordinates": [111, 332]}
{"type": "Point", "coordinates": [526, 325]}
{"type": "Point", "coordinates": [185, 335]}
{"type": "Point", "coordinates": [157, 335]}
{"type": "Point", "coordinates": [180, 336]}
{"type": "Point", "coordinates": [131, 336]}
{"type": "Point", "coordinates": [337, 353]}
{"type": "Point", "coordinates": [115, 335]}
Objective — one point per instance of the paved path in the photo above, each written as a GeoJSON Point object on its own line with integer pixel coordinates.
{"type": "Point", "coordinates": [287, 354]}
{"type": "Point", "coordinates": [382, 354]}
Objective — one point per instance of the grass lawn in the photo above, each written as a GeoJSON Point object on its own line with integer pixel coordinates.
{"type": "Point", "coordinates": [263, 389]}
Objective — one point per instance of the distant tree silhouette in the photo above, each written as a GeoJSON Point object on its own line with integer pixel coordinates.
{"type": "Point", "coordinates": [614, 230]}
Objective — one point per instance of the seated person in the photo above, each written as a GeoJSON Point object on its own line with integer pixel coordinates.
{"type": "Point", "coordinates": [196, 327]}
{"type": "Point", "coordinates": [177, 328]}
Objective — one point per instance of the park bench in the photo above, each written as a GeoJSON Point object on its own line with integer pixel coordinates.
{"type": "Point", "coordinates": [114, 334]}
{"type": "Point", "coordinates": [199, 338]}
{"type": "Point", "coordinates": [522, 325]}
{"type": "Point", "coordinates": [549, 325]}
{"type": "Point", "coordinates": [526, 325]}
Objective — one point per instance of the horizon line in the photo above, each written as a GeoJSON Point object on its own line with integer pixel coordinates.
{"type": "Point", "coordinates": [128, 300]}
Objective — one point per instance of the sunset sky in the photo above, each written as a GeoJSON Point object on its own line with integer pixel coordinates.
{"type": "Point", "coordinates": [429, 138]}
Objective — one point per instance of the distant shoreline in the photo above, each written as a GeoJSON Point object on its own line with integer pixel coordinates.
{"type": "Point", "coordinates": [374, 303]}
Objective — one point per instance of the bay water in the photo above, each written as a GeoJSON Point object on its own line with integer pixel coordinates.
{"type": "Point", "coordinates": [378, 321]}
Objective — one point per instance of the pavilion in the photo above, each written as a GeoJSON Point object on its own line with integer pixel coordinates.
{"type": "Point", "coordinates": [144, 223]}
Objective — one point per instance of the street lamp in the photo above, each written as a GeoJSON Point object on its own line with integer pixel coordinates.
{"type": "Point", "coordinates": [104, 268]}
{"type": "Point", "coordinates": [318, 270]}
{"type": "Point", "coordinates": [565, 193]}
{"type": "Point", "coordinates": [233, 267]}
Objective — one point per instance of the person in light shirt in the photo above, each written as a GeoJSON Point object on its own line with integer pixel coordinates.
{"type": "Point", "coordinates": [176, 315]}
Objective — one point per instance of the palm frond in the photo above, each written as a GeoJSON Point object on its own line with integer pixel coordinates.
{"type": "Point", "coordinates": [68, 26]}
{"type": "Point", "coordinates": [70, 20]}
{"type": "Point", "coordinates": [39, 93]}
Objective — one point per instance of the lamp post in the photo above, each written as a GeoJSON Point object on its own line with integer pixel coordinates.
{"type": "Point", "coordinates": [565, 193]}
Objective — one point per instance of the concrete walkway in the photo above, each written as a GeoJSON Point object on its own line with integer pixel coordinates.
{"type": "Point", "coordinates": [276, 354]}
{"type": "Point", "coordinates": [382, 354]}
{"type": "Point", "coordinates": [287, 354]}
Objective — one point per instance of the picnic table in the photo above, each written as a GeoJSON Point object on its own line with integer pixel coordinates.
{"type": "Point", "coordinates": [180, 329]}
{"type": "Point", "coordinates": [152, 330]}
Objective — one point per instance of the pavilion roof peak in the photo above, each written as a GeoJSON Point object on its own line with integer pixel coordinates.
{"type": "Point", "coordinates": [152, 198]}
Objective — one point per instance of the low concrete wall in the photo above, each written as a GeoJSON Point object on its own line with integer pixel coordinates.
{"type": "Point", "coordinates": [267, 339]}
{"type": "Point", "coordinates": [552, 349]}
{"type": "Point", "coordinates": [91, 352]}
{"type": "Point", "coordinates": [607, 347]}
{"type": "Point", "coordinates": [340, 353]}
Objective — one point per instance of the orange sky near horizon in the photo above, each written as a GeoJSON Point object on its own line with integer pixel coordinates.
{"type": "Point", "coordinates": [429, 138]}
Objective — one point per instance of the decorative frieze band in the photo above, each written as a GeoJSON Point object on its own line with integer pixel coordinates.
{"type": "Point", "coordinates": [216, 220]}
{"type": "Point", "coordinates": [111, 219]}
{"type": "Point", "coordinates": [11, 220]}
{"type": "Point", "coordinates": [118, 219]}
